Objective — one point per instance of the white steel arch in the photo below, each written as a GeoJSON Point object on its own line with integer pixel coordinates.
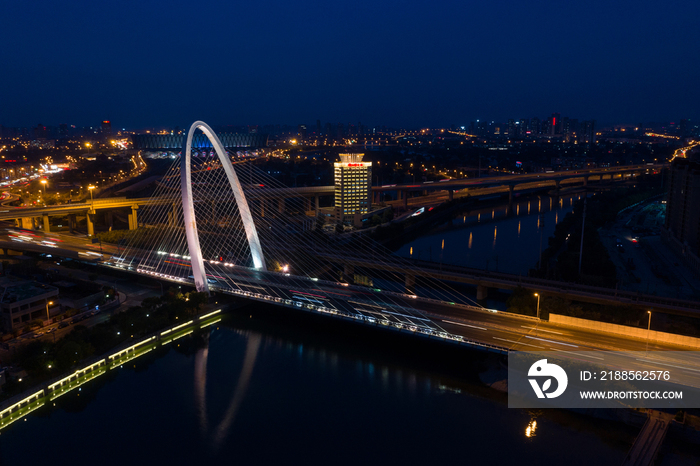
{"type": "Point", "coordinates": [200, 278]}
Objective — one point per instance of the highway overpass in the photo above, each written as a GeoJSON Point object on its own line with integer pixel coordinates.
{"type": "Point", "coordinates": [27, 217]}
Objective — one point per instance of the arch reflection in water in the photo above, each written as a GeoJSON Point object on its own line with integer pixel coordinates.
{"type": "Point", "coordinates": [219, 432]}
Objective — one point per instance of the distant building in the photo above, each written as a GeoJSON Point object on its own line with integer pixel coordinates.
{"type": "Point", "coordinates": [162, 142]}
{"type": "Point", "coordinates": [555, 124]}
{"type": "Point", "coordinates": [682, 212]}
{"type": "Point", "coordinates": [40, 131]}
{"type": "Point", "coordinates": [587, 132]}
{"type": "Point", "coordinates": [25, 301]}
{"type": "Point", "coordinates": [106, 128]}
{"type": "Point", "coordinates": [353, 187]}
{"type": "Point", "coordinates": [511, 128]}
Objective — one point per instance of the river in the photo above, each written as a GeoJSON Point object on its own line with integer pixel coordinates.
{"type": "Point", "coordinates": [500, 238]}
{"type": "Point", "coordinates": [269, 386]}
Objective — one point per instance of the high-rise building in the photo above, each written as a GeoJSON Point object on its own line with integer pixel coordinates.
{"type": "Point", "coordinates": [524, 126]}
{"type": "Point", "coordinates": [684, 128]}
{"type": "Point", "coordinates": [555, 125]}
{"type": "Point", "coordinates": [353, 187]}
{"type": "Point", "coordinates": [511, 128]}
{"type": "Point", "coordinates": [587, 132]}
{"type": "Point", "coordinates": [301, 132]}
{"type": "Point", "coordinates": [682, 213]}
{"type": "Point", "coordinates": [106, 128]}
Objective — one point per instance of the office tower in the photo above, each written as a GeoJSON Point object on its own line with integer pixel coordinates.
{"type": "Point", "coordinates": [588, 131]}
{"type": "Point", "coordinates": [353, 186]}
{"type": "Point", "coordinates": [555, 124]}
{"type": "Point", "coordinates": [106, 128]}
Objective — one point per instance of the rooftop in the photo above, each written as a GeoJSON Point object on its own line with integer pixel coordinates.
{"type": "Point", "coordinates": [16, 290]}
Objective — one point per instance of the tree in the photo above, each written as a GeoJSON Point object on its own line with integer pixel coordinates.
{"type": "Point", "coordinates": [522, 301]}
{"type": "Point", "coordinates": [68, 354]}
{"type": "Point", "coordinates": [151, 303]}
{"type": "Point", "coordinates": [197, 300]}
{"type": "Point", "coordinates": [36, 323]}
{"type": "Point", "coordinates": [388, 215]}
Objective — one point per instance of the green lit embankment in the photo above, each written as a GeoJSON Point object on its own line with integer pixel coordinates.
{"type": "Point", "coordinates": [21, 405]}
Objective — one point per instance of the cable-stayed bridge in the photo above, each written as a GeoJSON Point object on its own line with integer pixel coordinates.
{"type": "Point", "coordinates": [211, 225]}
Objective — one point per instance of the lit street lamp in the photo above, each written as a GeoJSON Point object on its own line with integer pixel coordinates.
{"type": "Point", "coordinates": [48, 303]}
{"type": "Point", "coordinates": [538, 305]}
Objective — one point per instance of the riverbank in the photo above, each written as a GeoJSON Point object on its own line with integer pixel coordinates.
{"type": "Point", "coordinates": [40, 394]}
{"type": "Point", "coordinates": [317, 347]}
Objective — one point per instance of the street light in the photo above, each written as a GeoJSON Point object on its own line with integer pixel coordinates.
{"type": "Point", "coordinates": [48, 303]}
{"type": "Point", "coordinates": [538, 305]}
{"type": "Point", "coordinates": [90, 188]}
{"type": "Point", "coordinates": [648, 330]}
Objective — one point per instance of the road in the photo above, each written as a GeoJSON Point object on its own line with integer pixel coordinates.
{"type": "Point", "coordinates": [490, 328]}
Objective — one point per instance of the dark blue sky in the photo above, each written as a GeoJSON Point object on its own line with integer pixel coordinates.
{"type": "Point", "coordinates": [399, 63]}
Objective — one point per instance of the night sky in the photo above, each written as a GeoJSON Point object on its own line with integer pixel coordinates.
{"type": "Point", "coordinates": [399, 63]}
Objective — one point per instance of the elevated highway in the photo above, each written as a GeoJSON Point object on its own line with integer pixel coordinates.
{"type": "Point", "coordinates": [77, 248]}
{"type": "Point", "coordinates": [26, 217]}
{"type": "Point", "coordinates": [554, 179]}
{"type": "Point", "coordinates": [484, 280]}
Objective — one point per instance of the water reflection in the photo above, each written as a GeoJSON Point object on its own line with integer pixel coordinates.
{"type": "Point", "coordinates": [468, 241]}
{"type": "Point", "coordinates": [530, 430]}
{"type": "Point", "coordinates": [251, 354]}
{"type": "Point", "coordinates": [329, 386]}
{"type": "Point", "coordinates": [200, 385]}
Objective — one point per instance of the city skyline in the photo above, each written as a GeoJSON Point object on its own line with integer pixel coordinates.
{"type": "Point", "coordinates": [318, 126]}
{"type": "Point", "coordinates": [407, 66]}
